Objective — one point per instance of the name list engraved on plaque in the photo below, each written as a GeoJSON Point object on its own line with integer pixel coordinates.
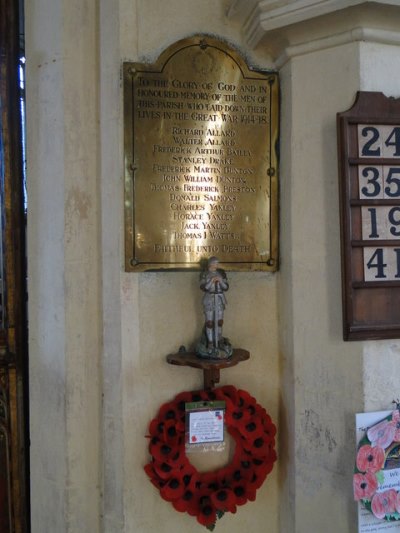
{"type": "Point", "coordinates": [201, 168]}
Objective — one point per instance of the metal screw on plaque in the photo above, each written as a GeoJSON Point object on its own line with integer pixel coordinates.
{"type": "Point", "coordinates": [134, 262]}
{"type": "Point", "coordinates": [270, 262]}
{"type": "Point", "coordinates": [203, 45]}
{"type": "Point", "coordinates": [271, 171]}
{"type": "Point", "coordinates": [132, 71]}
{"type": "Point", "coordinates": [132, 168]}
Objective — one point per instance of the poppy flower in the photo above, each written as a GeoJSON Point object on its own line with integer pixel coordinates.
{"type": "Point", "coordinates": [224, 500]}
{"type": "Point", "coordinates": [149, 469]}
{"type": "Point", "coordinates": [264, 467]}
{"type": "Point", "coordinates": [224, 475]}
{"type": "Point", "coordinates": [156, 428]}
{"type": "Point", "coordinates": [236, 435]}
{"type": "Point", "coordinates": [259, 473]}
{"type": "Point", "coordinates": [173, 489]}
{"type": "Point", "coordinates": [370, 459]}
{"type": "Point", "coordinates": [245, 398]}
{"type": "Point", "coordinates": [259, 446]}
{"type": "Point", "coordinates": [271, 456]}
{"type": "Point", "coordinates": [243, 492]}
{"type": "Point", "coordinates": [241, 474]}
{"type": "Point", "coordinates": [199, 396]}
{"type": "Point", "coordinates": [160, 425]}
{"type": "Point", "coordinates": [228, 393]}
{"type": "Point", "coordinates": [269, 429]}
{"type": "Point", "coordinates": [207, 515]}
{"type": "Point", "coordinates": [182, 398]}
{"type": "Point", "coordinates": [207, 477]}
{"type": "Point", "coordinates": [396, 423]}
{"type": "Point", "coordinates": [164, 453]}
{"type": "Point", "coordinates": [236, 415]}
{"type": "Point", "coordinates": [381, 434]}
{"type": "Point", "coordinates": [256, 481]}
{"type": "Point", "coordinates": [246, 464]}
{"type": "Point", "coordinates": [397, 504]}
{"type": "Point", "coordinates": [172, 435]}
{"type": "Point", "coordinates": [168, 411]}
{"type": "Point", "coordinates": [262, 413]}
{"type": "Point", "coordinates": [251, 429]}
{"type": "Point", "coordinates": [188, 503]}
{"type": "Point", "coordinates": [163, 470]}
{"type": "Point", "coordinates": [364, 486]}
{"type": "Point", "coordinates": [206, 511]}
{"type": "Point", "coordinates": [384, 503]}
{"type": "Point", "coordinates": [154, 479]}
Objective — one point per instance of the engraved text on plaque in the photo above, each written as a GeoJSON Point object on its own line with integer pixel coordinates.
{"type": "Point", "coordinates": [201, 132]}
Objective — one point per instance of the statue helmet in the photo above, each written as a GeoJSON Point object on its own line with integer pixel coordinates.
{"type": "Point", "coordinates": [212, 260]}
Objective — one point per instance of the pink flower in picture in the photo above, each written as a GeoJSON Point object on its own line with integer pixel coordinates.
{"type": "Point", "coordinates": [381, 434]}
{"type": "Point", "coordinates": [397, 505]}
{"type": "Point", "coordinates": [384, 503]}
{"type": "Point", "coordinates": [370, 459]}
{"type": "Point", "coordinates": [364, 486]}
{"type": "Point", "coordinates": [396, 423]}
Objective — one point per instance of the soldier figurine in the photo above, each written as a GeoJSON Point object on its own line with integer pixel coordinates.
{"type": "Point", "coordinates": [214, 283]}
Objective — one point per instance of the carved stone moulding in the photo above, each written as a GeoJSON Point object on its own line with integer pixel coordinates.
{"type": "Point", "coordinates": [288, 28]}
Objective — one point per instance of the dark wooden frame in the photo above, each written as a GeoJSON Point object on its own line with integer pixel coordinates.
{"type": "Point", "coordinates": [371, 310]}
{"type": "Point", "coordinates": [14, 509]}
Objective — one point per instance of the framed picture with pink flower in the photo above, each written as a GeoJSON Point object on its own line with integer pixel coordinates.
{"type": "Point", "coordinates": [376, 479]}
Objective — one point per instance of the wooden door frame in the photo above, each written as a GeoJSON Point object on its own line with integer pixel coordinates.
{"type": "Point", "coordinates": [13, 330]}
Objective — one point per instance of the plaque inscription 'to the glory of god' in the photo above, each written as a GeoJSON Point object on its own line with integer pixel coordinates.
{"type": "Point", "coordinates": [201, 176]}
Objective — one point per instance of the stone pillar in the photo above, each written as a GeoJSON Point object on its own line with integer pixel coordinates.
{"type": "Point", "coordinates": [325, 52]}
{"type": "Point", "coordinates": [63, 269]}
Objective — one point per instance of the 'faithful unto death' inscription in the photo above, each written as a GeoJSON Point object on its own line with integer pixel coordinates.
{"type": "Point", "coordinates": [201, 175]}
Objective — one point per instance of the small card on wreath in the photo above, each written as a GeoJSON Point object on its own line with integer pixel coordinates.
{"type": "Point", "coordinates": [205, 422]}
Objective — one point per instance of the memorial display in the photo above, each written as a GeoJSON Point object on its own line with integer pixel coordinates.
{"type": "Point", "coordinates": [201, 169]}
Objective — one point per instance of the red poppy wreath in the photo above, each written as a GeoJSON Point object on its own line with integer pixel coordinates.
{"type": "Point", "coordinates": [376, 468]}
{"type": "Point", "coordinates": [207, 496]}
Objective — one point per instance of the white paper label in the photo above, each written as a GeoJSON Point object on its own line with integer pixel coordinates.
{"type": "Point", "coordinates": [206, 426]}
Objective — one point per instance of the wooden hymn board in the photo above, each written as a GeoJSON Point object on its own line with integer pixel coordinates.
{"type": "Point", "coordinates": [369, 165]}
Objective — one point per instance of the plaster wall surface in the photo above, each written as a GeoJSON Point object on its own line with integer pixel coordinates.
{"type": "Point", "coordinates": [322, 375]}
{"type": "Point", "coordinates": [63, 256]}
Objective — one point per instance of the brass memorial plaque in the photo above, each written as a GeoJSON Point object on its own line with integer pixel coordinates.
{"type": "Point", "coordinates": [201, 176]}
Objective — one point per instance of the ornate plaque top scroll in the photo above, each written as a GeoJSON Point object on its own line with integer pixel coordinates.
{"type": "Point", "coordinates": [201, 176]}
